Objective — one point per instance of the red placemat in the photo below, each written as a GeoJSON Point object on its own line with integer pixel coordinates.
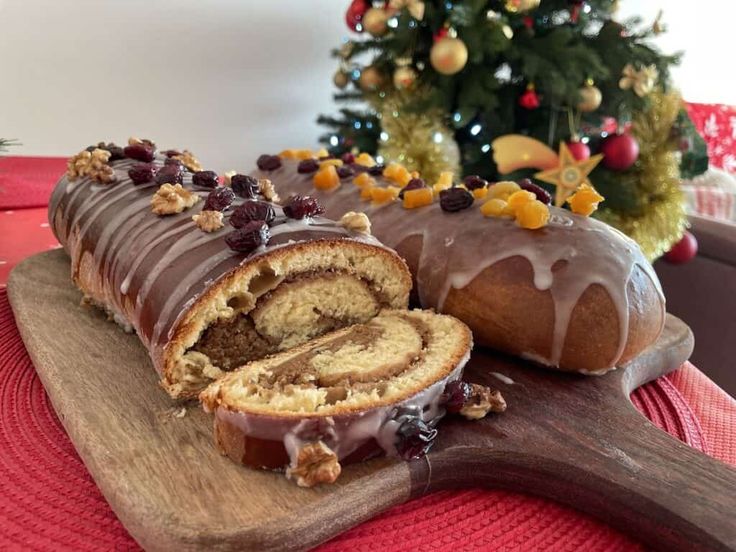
{"type": "Point", "coordinates": [27, 181]}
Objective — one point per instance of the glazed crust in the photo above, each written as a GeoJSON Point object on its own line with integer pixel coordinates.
{"type": "Point", "coordinates": [506, 311]}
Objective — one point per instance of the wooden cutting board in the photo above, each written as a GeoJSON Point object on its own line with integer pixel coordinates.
{"type": "Point", "coordinates": [577, 440]}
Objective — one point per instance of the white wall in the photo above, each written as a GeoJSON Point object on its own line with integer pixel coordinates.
{"type": "Point", "coordinates": [228, 79]}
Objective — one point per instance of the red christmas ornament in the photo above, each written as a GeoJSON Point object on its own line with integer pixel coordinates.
{"type": "Point", "coordinates": [442, 33]}
{"type": "Point", "coordinates": [528, 22]}
{"type": "Point", "coordinates": [578, 150]}
{"type": "Point", "coordinates": [355, 13]}
{"type": "Point", "coordinates": [577, 5]}
{"type": "Point", "coordinates": [529, 99]}
{"type": "Point", "coordinates": [620, 151]}
{"type": "Point", "coordinates": [683, 251]}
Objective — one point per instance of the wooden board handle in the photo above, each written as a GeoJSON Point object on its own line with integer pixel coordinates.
{"type": "Point", "coordinates": [648, 485]}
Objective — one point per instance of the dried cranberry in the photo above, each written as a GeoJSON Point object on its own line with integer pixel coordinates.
{"type": "Point", "coordinates": [205, 179]}
{"type": "Point", "coordinates": [250, 211]}
{"type": "Point", "coordinates": [376, 170]}
{"type": "Point", "coordinates": [475, 182]}
{"type": "Point", "coordinates": [413, 184]}
{"type": "Point", "coordinates": [219, 199]}
{"type": "Point", "coordinates": [268, 162]}
{"type": "Point", "coordinates": [172, 153]}
{"type": "Point", "coordinates": [116, 152]}
{"type": "Point", "coordinates": [345, 171]}
{"type": "Point", "coordinates": [348, 158]}
{"type": "Point", "coordinates": [141, 173]}
{"type": "Point", "coordinates": [249, 237]}
{"type": "Point", "coordinates": [414, 438]}
{"type": "Point", "coordinates": [170, 174]}
{"type": "Point", "coordinates": [172, 161]}
{"type": "Point", "coordinates": [307, 166]}
{"type": "Point", "coordinates": [140, 152]}
{"type": "Point", "coordinates": [303, 206]}
{"type": "Point", "coordinates": [541, 193]}
{"type": "Point", "coordinates": [244, 186]}
{"type": "Point", "coordinates": [456, 395]}
{"type": "Point", "coordinates": [455, 199]}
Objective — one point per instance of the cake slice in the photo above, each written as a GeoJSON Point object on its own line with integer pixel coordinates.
{"type": "Point", "coordinates": [374, 388]}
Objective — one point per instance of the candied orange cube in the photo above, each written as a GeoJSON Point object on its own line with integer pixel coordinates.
{"type": "Point", "coordinates": [384, 195]}
{"type": "Point", "coordinates": [532, 215]}
{"type": "Point", "coordinates": [322, 152]}
{"type": "Point", "coordinates": [326, 178]}
{"type": "Point", "coordinates": [366, 192]}
{"type": "Point", "coordinates": [417, 198]}
{"type": "Point", "coordinates": [365, 159]}
{"type": "Point", "coordinates": [288, 154]}
{"type": "Point", "coordinates": [480, 193]}
{"type": "Point", "coordinates": [330, 163]}
{"type": "Point", "coordinates": [518, 199]}
{"type": "Point", "coordinates": [398, 173]}
{"type": "Point", "coordinates": [303, 154]}
{"type": "Point", "coordinates": [585, 200]}
{"type": "Point", "coordinates": [363, 180]}
{"type": "Point", "coordinates": [503, 189]}
{"type": "Point", "coordinates": [495, 207]}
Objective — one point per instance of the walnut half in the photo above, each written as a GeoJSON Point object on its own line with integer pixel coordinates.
{"type": "Point", "coordinates": [482, 400]}
{"type": "Point", "coordinates": [93, 164]}
{"type": "Point", "coordinates": [315, 463]}
{"type": "Point", "coordinates": [170, 199]}
{"type": "Point", "coordinates": [357, 222]}
{"type": "Point", "coordinates": [208, 221]}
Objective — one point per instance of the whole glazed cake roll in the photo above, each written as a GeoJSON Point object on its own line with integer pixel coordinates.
{"type": "Point", "coordinates": [212, 276]}
{"type": "Point", "coordinates": [550, 285]}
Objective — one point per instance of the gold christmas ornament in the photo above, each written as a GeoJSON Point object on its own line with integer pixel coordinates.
{"type": "Point", "coordinates": [346, 50]}
{"type": "Point", "coordinates": [641, 82]}
{"type": "Point", "coordinates": [590, 97]}
{"type": "Point", "coordinates": [404, 77]}
{"type": "Point", "coordinates": [521, 6]}
{"type": "Point", "coordinates": [341, 79]}
{"type": "Point", "coordinates": [569, 174]}
{"type": "Point", "coordinates": [419, 140]}
{"type": "Point", "coordinates": [661, 221]}
{"type": "Point", "coordinates": [375, 21]}
{"type": "Point", "coordinates": [448, 55]}
{"type": "Point", "coordinates": [658, 27]}
{"type": "Point", "coordinates": [414, 7]}
{"type": "Point", "coordinates": [371, 79]}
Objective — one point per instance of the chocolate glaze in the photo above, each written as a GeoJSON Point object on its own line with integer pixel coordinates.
{"type": "Point", "coordinates": [150, 268]}
{"type": "Point", "coordinates": [457, 247]}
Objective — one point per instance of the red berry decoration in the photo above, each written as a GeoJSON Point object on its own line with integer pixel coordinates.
{"type": "Point", "coordinates": [307, 166]}
{"type": "Point", "coordinates": [578, 150]}
{"type": "Point", "coordinates": [414, 437]}
{"type": "Point", "coordinates": [530, 98]}
{"type": "Point", "coordinates": [205, 179]}
{"type": "Point", "coordinates": [620, 151]}
{"type": "Point", "coordinates": [140, 152]}
{"type": "Point", "coordinates": [249, 237]}
{"type": "Point", "coordinates": [456, 394]}
{"type": "Point", "coordinates": [355, 14]}
{"type": "Point", "coordinates": [475, 182]}
{"type": "Point", "coordinates": [268, 162]}
{"type": "Point", "coordinates": [413, 184]}
{"type": "Point", "coordinates": [250, 211]}
{"type": "Point", "coordinates": [170, 174]}
{"type": "Point", "coordinates": [683, 251]}
{"type": "Point", "coordinates": [141, 173]}
{"type": "Point", "coordinates": [455, 199]}
{"type": "Point", "coordinates": [303, 206]}
{"type": "Point", "coordinates": [219, 199]}
{"type": "Point", "coordinates": [244, 186]}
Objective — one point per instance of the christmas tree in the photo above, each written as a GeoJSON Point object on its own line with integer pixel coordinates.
{"type": "Point", "coordinates": [499, 88]}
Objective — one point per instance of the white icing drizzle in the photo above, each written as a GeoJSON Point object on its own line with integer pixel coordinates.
{"type": "Point", "coordinates": [502, 377]}
{"type": "Point", "coordinates": [567, 257]}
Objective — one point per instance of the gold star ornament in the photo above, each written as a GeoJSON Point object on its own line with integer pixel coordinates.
{"type": "Point", "coordinates": [569, 174]}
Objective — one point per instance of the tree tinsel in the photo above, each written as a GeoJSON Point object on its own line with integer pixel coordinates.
{"type": "Point", "coordinates": [5, 143]}
{"type": "Point", "coordinates": [415, 138]}
{"type": "Point", "coordinates": [659, 216]}
{"type": "Point", "coordinates": [555, 49]}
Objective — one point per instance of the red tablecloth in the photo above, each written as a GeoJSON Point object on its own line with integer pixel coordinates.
{"type": "Point", "coordinates": [49, 501]}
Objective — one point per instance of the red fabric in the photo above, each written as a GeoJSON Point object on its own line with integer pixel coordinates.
{"type": "Point", "coordinates": [717, 125]}
{"type": "Point", "coordinates": [49, 501]}
{"type": "Point", "coordinates": [27, 181]}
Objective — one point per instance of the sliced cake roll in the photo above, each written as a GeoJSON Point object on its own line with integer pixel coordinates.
{"type": "Point", "coordinates": [373, 388]}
